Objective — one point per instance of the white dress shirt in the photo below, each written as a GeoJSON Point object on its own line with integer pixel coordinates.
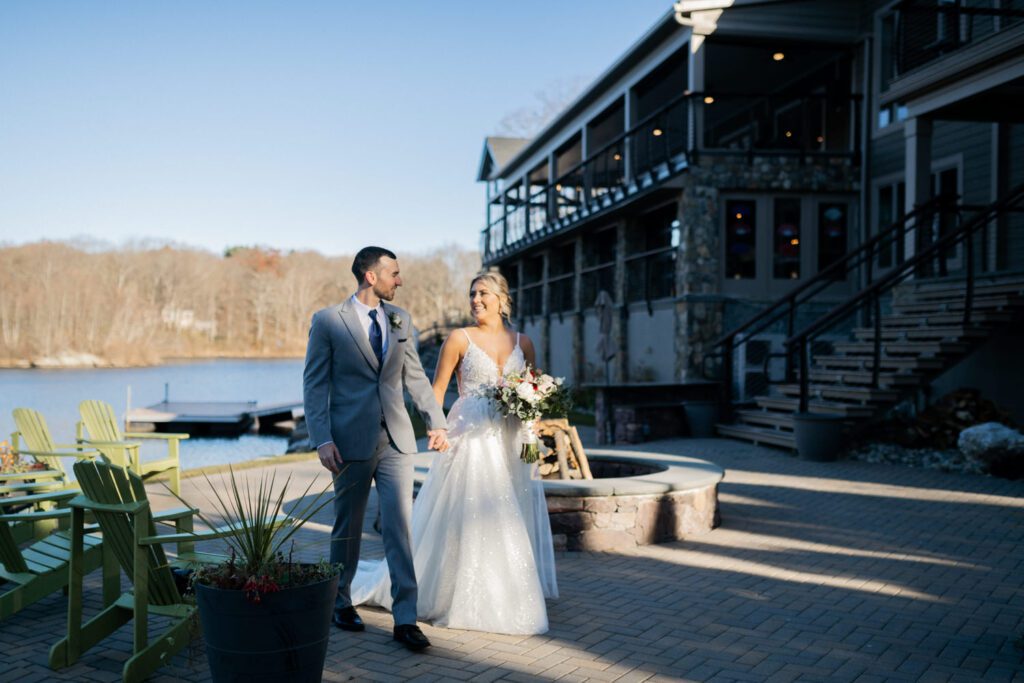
{"type": "Point", "coordinates": [364, 319]}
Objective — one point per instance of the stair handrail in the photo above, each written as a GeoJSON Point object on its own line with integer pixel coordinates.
{"type": "Point", "coordinates": [871, 294]}
{"type": "Point", "coordinates": [787, 305]}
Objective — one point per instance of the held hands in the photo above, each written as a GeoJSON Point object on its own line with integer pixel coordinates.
{"type": "Point", "coordinates": [330, 457]}
{"type": "Point", "coordinates": [437, 440]}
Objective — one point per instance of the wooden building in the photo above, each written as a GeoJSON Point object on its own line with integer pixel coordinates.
{"type": "Point", "coordinates": [738, 150]}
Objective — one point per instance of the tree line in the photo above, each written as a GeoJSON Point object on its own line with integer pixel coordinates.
{"type": "Point", "coordinates": [141, 304]}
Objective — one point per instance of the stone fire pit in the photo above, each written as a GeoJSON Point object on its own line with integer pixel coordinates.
{"type": "Point", "coordinates": [636, 498]}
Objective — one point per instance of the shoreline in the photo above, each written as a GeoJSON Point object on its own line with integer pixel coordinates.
{"type": "Point", "coordinates": [85, 361]}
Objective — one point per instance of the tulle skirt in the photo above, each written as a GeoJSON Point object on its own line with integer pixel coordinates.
{"type": "Point", "coordinates": [481, 536]}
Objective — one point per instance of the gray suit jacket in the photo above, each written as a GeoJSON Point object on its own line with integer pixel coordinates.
{"type": "Point", "coordinates": [346, 392]}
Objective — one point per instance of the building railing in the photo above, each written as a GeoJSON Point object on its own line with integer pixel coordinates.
{"type": "Point", "coordinates": [665, 142]}
{"type": "Point", "coordinates": [929, 29]}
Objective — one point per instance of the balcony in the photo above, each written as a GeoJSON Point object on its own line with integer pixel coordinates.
{"type": "Point", "coordinates": [663, 145]}
{"type": "Point", "coordinates": [918, 33]}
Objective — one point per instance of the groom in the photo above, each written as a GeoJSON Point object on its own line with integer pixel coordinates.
{"type": "Point", "coordinates": [359, 357]}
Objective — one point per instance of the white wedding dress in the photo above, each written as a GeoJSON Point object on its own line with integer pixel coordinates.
{"type": "Point", "coordinates": [481, 537]}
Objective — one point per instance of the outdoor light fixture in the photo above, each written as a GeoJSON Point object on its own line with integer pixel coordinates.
{"type": "Point", "coordinates": [709, 99]}
{"type": "Point", "coordinates": [558, 187]}
{"type": "Point", "coordinates": [778, 56]}
{"type": "Point", "coordinates": [739, 216]}
{"type": "Point", "coordinates": [617, 157]}
{"type": "Point", "coordinates": [821, 139]}
{"type": "Point", "coordinates": [656, 132]}
{"type": "Point", "coordinates": [794, 241]}
{"type": "Point", "coordinates": [789, 133]}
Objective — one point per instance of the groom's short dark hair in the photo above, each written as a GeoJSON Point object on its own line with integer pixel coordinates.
{"type": "Point", "coordinates": [366, 259]}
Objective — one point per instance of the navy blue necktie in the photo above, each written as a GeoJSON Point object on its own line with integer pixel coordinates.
{"type": "Point", "coordinates": [376, 338]}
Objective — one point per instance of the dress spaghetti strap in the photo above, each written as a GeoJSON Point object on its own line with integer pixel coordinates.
{"type": "Point", "coordinates": [468, 338]}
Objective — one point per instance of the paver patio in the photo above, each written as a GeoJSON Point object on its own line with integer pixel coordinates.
{"type": "Point", "coordinates": [820, 571]}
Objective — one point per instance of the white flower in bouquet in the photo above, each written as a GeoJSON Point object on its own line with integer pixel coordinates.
{"type": "Point", "coordinates": [526, 392]}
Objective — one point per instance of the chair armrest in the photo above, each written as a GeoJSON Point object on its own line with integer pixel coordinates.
{"type": "Point", "coordinates": [85, 503]}
{"type": "Point", "coordinates": [125, 444]}
{"type": "Point", "coordinates": [156, 435]}
{"type": "Point", "coordinates": [31, 474]}
{"type": "Point", "coordinates": [51, 497]}
{"type": "Point", "coordinates": [34, 515]}
{"type": "Point", "coordinates": [68, 445]}
{"type": "Point", "coordinates": [91, 453]}
{"type": "Point", "coordinates": [175, 514]}
{"type": "Point", "coordinates": [199, 536]}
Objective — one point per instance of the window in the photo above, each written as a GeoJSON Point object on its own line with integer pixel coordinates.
{"type": "Point", "coordinates": [651, 255]}
{"type": "Point", "coordinates": [531, 301]}
{"type": "Point", "coordinates": [832, 234]}
{"type": "Point", "coordinates": [599, 251]}
{"type": "Point", "coordinates": [786, 240]}
{"type": "Point", "coordinates": [562, 279]}
{"type": "Point", "coordinates": [891, 199]}
{"type": "Point", "coordinates": [740, 239]}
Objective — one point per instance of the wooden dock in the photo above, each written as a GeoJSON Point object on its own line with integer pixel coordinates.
{"type": "Point", "coordinates": [213, 418]}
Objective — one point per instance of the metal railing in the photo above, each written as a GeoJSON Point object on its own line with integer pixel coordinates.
{"type": "Point", "coordinates": [860, 261]}
{"type": "Point", "coordinates": [926, 261]}
{"type": "Point", "coordinates": [665, 141]}
{"type": "Point", "coordinates": [929, 29]}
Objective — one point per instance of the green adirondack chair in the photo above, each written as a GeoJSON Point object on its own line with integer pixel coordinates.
{"type": "Point", "coordinates": [43, 567]}
{"type": "Point", "coordinates": [117, 498]}
{"type": "Point", "coordinates": [122, 449]}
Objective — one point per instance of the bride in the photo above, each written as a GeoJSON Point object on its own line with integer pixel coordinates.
{"type": "Point", "coordinates": [480, 531]}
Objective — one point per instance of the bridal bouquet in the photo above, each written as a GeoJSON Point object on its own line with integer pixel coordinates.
{"type": "Point", "coordinates": [530, 395]}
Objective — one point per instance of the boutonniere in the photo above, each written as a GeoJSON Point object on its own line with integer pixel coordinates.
{"type": "Point", "coordinates": [395, 320]}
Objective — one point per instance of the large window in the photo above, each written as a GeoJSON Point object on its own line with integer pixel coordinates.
{"type": "Point", "coordinates": [651, 255]}
{"type": "Point", "coordinates": [741, 239]}
{"type": "Point", "coordinates": [772, 242]}
{"type": "Point", "coordinates": [562, 279]}
{"type": "Point", "coordinates": [599, 250]}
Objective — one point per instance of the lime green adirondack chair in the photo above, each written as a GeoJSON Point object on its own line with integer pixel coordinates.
{"type": "Point", "coordinates": [34, 572]}
{"type": "Point", "coordinates": [117, 498]}
{"type": "Point", "coordinates": [38, 443]}
{"type": "Point", "coordinates": [99, 421]}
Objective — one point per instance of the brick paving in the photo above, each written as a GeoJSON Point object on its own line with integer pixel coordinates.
{"type": "Point", "coordinates": [819, 572]}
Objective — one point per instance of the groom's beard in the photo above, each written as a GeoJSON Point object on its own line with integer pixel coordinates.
{"type": "Point", "coordinates": [385, 294]}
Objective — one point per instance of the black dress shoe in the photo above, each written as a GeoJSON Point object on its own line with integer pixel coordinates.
{"type": "Point", "coordinates": [411, 636]}
{"type": "Point", "coordinates": [347, 619]}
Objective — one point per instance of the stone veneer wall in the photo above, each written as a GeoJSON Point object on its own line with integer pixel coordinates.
{"type": "Point", "coordinates": [610, 523]}
{"type": "Point", "coordinates": [699, 308]}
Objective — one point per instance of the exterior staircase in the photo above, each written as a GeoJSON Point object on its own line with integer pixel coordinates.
{"type": "Point", "coordinates": [923, 336]}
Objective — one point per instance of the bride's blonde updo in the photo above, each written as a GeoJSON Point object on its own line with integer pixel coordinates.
{"type": "Point", "coordinates": [498, 285]}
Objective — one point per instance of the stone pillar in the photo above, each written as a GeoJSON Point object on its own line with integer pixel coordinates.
{"type": "Point", "coordinates": [698, 306]}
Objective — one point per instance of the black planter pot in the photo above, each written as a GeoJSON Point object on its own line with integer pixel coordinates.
{"type": "Point", "coordinates": [283, 638]}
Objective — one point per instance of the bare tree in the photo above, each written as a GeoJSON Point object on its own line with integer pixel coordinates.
{"type": "Point", "coordinates": [529, 120]}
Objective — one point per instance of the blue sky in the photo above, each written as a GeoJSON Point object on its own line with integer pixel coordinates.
{"type": "Point", "coordinates": [297, 125]}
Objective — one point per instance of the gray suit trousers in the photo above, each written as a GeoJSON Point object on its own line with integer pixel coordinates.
{"type": "Point", "coordinates": [393, 473]}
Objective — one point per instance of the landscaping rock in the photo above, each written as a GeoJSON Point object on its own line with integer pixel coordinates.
{"type": "Point", "coordinates": [997, 446]}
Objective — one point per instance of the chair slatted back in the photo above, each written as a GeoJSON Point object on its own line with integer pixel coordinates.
{"type": "Point", "coordinates": [108, 484]}
{"type": "Point", "coordinates": [100, 421]}
{"type": "Point", "coordinates": [34, 431]}
{"type": "Point", "coordinates": [101, 424]}
{"type": "Point", "coordinates": [10, 556]}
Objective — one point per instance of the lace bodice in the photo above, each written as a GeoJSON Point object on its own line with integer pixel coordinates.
{"type": "Point", "coordinates": [480, 373]}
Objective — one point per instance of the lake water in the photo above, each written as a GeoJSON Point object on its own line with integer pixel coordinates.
{"type": "Point", "coordinates": [57, 393]}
